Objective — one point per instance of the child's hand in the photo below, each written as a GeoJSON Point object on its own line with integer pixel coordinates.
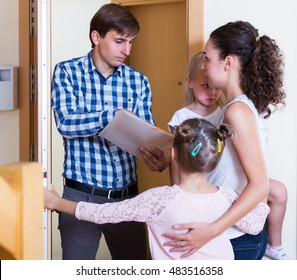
{"type": "Point", "coordinates": [50, 198]}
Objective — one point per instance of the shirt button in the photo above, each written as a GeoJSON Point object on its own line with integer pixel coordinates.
{"type": "Point", "coordinates": [129, 99]}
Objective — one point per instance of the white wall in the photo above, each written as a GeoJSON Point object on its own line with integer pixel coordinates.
{"type": "Point", "coordinates": [277, 19]}
{"type": "Point", "coordinates": [9, 55]}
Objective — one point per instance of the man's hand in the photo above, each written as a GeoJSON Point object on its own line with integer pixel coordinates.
{"type": "Point", "coordinates": [155, 159]}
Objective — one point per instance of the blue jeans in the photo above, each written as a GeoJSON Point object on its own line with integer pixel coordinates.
{"type": "Point", "coordinates": [80, 239]}
{"type": "Point", "coordinates": [250, 247]}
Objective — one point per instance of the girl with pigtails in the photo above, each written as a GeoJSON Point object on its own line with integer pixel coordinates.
{"type": "Point", "coordinates": [197, 148]}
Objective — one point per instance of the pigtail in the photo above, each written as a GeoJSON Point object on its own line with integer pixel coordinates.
{"type": "Point", "coordinates": [184, 134]}
{"type": "Point", "coordinates": [224, 132]}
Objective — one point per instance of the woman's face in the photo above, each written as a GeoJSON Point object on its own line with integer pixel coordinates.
{"type": "Point", "coordinates": [213, 66]}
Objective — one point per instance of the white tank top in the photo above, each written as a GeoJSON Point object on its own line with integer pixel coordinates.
{"type": "Point", "coordinates": [229, 173]}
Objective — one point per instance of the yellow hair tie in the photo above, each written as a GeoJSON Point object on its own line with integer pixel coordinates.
{"type": "Point", "coordinates": [219, 145]}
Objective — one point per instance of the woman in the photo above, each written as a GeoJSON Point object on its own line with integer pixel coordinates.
{"type": "Point", "coordinates": [249, 69]}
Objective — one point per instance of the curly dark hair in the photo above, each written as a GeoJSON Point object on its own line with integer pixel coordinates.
{"type": "Point", "coordinates": [261, 60]}
{"type": "Point", "coordinates": [193, 132]}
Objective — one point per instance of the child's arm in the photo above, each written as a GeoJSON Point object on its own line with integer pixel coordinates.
{"type": "Point", "coordinates": [253, 223]}
{"type": "Point", "coordinates": [174, 174]}
{"type": "Point", "coordinates": [53, 201]}
{"type": "Point", "coordinates": [144, 207]}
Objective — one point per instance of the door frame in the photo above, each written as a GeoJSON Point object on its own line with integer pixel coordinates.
{"type": "Point", "coordinates": [195, 20]}
{"type": "Point", "coordinates": [34, 94]}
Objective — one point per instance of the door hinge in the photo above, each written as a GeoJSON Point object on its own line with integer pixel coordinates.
{"type": "Point", "coordinates": [32, 153]}
{"type": "Point", "coordinates": [32, 22]}
{"type": "Point", "coordinates": [32, 83]}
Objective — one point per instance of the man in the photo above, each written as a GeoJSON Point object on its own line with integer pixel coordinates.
{"type": "Point", "coordinates": [86, 94]}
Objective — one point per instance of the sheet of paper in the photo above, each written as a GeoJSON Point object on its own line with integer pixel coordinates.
{"type": "Point", "coordinates": [129, 132]}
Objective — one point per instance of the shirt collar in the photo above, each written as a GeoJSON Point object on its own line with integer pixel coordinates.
{"type": "Point", "coordinates": [90, 66]}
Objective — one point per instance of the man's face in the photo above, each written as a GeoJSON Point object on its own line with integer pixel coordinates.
{"type": "Point", "coordinates": [113, 48]}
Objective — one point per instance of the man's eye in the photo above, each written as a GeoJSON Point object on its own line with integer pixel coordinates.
{"type": "Point", "coordinates": [205, 85]}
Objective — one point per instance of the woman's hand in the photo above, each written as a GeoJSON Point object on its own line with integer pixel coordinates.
{"type": "Point", "coordinates": [50, 198]}
{"type": "Point", "coordinates": [198, 234]}
{"type": "Point", "coordinates": [155, 159]}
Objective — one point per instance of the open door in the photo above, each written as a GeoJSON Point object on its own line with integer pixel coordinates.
{"type": "Point", "coordinates": [170, 32]}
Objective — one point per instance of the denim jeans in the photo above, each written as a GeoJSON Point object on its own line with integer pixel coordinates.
{"type": "Point", "coordinates": [250, 247]}
{"type": "Point", "coordinates": [80, 239]}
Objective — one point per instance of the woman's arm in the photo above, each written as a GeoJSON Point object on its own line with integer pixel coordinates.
{"type": "Point", "coordinates": [248, 148]}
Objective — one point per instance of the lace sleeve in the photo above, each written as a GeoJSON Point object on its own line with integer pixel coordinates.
{"type": "Point", "coordinates": [144, 207]}
{"type": "Point", "coordinates": [254, 221]}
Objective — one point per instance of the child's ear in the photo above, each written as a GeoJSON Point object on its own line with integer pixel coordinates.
{"type": "Point", "coordinates": [189, 82]}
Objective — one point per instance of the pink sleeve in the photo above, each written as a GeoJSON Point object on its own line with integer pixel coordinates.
{"type": "Point", "coordinates": [253, 223]}
{"type": "Point", "coordinates": [141, 208]}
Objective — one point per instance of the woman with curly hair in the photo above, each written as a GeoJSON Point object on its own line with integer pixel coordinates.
{"type": "Point", "coordinates": [249, 70]}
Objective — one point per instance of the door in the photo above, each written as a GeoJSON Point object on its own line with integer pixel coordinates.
{"type": "Point", "coordinates": [160, 51]}
{"type": "Point", "coordinates": [28, 103]}
{"type": "Point", "coordinates": [34, 93]}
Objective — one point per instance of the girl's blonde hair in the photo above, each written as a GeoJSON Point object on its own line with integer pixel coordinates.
{"type": "Point", "coordinates": [194, 66]}
{"type": "Point", "coordinates": [193, 69]}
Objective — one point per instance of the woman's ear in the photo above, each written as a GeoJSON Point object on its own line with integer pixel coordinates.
{"type": "Point", "coordinates": [228, 62]}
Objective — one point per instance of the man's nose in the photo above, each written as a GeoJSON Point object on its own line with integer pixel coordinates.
{"type": "Point", "coordinates": [126, 49]}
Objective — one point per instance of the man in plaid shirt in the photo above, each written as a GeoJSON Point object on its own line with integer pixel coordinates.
{"type": "Point", "coordinates": [86, 94]}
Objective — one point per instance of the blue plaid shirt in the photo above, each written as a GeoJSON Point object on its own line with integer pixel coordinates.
{"type": "Point", "coordinates": [84, 102]}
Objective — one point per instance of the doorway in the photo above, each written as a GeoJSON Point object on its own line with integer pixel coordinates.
{"type": "Point", "coordinates": [160, 52]}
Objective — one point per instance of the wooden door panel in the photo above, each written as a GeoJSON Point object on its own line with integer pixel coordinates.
{"type": "Point", "coordinates": [160, 52]}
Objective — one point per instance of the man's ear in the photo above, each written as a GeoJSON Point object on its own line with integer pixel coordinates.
{"type": "Point", "coordinates": [95, 37]}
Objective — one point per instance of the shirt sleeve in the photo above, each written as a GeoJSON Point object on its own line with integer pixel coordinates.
{"type": "Point", "coordinates": [144, 207]}
{"type": "Point", "coordinates": [253, 223]}
{"type": "Point", "coordinates": [144, 104]}
{"type": "Point", "coordinates": [177, 118]}
{"type": "Point", "coordinates": [70, 120]}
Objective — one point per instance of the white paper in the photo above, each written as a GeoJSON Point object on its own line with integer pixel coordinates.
{"type": "Point", "coordinates": [129, 132]}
